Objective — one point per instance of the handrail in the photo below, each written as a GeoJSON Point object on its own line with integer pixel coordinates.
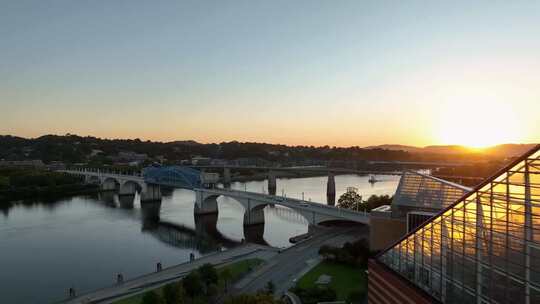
{"type": "Point", "coordinates": [289, 200]}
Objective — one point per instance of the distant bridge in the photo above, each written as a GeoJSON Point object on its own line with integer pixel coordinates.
{"type": "Point", "coordinates": [329, 170]}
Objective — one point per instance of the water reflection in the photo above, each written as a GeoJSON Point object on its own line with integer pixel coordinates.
{"type": "Point", "coordinates": [85, 241]}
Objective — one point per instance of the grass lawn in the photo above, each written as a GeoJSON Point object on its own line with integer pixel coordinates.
{"type": "Point", "coordinates": [137, 299]}
{"type": "Point", "coordinates": [237, 270]}
{"type": "Point", "coordinates": [345, 278]}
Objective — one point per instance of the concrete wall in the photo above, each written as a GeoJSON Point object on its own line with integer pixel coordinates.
{"type": "Point", "coordinates": [384, 231]}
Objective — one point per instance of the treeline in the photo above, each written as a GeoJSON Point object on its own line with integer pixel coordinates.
{"type": "Point", "coordinates": [474, 170]}
{"type": "Point", "coordinates": [73, 149]}
{"type": "Point", "coordinates": [354, 254]}
{"type": "Point", "coordinates": [208, 285]}
{"type": "Point", "coordinates": [23, 184]}
{"type": "Point", "coordinates": [352, 200]}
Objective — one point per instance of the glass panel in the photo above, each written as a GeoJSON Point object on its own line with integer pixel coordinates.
{"type": "Point", "coordinates": [503, 224]}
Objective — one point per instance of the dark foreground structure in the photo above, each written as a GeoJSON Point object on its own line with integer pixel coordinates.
{"type": "Point", "coordinates": [483, 248]}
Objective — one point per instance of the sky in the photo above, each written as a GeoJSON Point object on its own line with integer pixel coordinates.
{"type": "Point", "coordinates": [341, 73]}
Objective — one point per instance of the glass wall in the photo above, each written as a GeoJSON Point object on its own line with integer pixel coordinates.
{"type": "Point", "coordinates": [485, 248]}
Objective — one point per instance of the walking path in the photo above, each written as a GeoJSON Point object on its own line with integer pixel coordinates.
{"type": "Point", "coordinates": [174, 273]}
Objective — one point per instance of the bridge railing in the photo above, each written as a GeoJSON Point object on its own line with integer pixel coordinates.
{"type": "Point", "coordinates": [284, 199]}
{"type": "Point", "coordinates": [101, 171]}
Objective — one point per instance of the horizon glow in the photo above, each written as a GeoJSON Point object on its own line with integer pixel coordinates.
{"type": "Point", "coordinates": [348, 73]}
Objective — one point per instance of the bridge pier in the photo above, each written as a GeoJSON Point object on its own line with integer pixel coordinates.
{"type": "Point", "coordinates": [126, 201]}
{"type": "Point", "coordinates": [108, 198]}
{"type": "Point", "coordinates": [255, 234]}
{"type": "Point", "coordinates": [272, 186]}
{"type": "Point", "coordinates": [152, 193]}
{"type": "Point", "coordinates": [150, 214]}
{"type": "Point", "coordinates": [226, 176]}
{"type": "Point", "coordinates": [254, 216]}
{"type": "Point", "coordinates": [205, 203]}
{"type": "Point", "coordinates": [331, 189]}
{"type": "Point", "coordinates": [254, 223]}
{"type": "Point", "coordinates": [127, 188]}
{"type": "Point", "coordinates": [206, 224]}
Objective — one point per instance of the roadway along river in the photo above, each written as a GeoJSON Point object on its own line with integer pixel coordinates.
{"type": "Point", "coordinates": [85, 241]}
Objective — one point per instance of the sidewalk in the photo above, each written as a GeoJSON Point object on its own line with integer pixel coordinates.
{"type": "Point", "coordinates": [174, 273]}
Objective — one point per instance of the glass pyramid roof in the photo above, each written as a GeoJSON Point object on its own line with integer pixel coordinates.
{"type": "Point", "coordinates": [419, 190]}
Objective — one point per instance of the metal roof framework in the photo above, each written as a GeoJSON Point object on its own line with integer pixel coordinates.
{"type": "Point", "coordinates": [485, 247]}
{"type": "Point", "coordinates": [173, 176]}
{"type": "Point", "coordinates": [424, 191]}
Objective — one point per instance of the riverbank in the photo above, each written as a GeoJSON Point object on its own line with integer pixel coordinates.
{"type": "Point", "coordinates": [228, 274]}
{"type": "Point", "coordinates": [155, 280]}
{"type": "Point", "coordinates": [24, 184]}
{"type": "Point", "coordinates": [46, 193]}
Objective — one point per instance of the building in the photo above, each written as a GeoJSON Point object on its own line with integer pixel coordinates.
{"type": "Point", "coordinates": [418, 197]}
{"type": "Point", "coordinates": [132, 156]}
{"type": "Point", "coordinates": [200, 160]}
{"type": "Point", "coordinates": [483, 248]}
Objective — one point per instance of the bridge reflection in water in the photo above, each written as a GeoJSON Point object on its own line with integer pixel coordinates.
{"type": "Point", "coordinates": [205, 237]}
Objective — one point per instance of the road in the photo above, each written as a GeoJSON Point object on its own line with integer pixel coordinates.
{"type": "Point", "coordinates": [280, 267]}
{"type": "Point", "coordinates": [283, 268]}
{"type": "Point", "coordinates": [174, 273]}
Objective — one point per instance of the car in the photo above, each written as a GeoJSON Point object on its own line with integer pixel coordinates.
{"type": "Point", "coordinates": [304, 204]}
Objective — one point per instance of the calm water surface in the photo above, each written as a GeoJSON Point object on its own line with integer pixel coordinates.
{"type": "Point", "coordinates": [84, 241]}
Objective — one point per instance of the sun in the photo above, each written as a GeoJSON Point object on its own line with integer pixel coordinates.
{"type": "Point", "coordinates": [477, 124]}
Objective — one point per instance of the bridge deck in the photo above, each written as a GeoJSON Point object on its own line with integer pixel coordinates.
{"type": "Point", "coordinates": [356, 216]}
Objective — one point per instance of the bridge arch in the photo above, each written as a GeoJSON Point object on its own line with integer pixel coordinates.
{"type": "Point", "coordinates": [314, 218]}
{"type": "Point", "coordinates": [110, 183]}
{"type": "Point", "coordinates": [288, 214]}
{"type": "Point", "coordinates": [205, 203]}
{"type": "Point", "coordinates": [130, 187]}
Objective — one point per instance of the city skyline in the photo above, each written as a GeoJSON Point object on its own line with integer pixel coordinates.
{"type": "Point", "coordinates": [303, 73]}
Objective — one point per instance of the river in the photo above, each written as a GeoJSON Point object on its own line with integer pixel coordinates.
{"type": "Point", "coordinates": [85, 241]}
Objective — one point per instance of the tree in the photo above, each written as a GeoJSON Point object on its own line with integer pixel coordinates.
{"type": "Point", "coordinates": [226, 275]}
{"type": "Point", "coordinates": [355, 254]}
{"type": "Point", "coordinates": [212, 291]}
{"type": "Point", "coordinates": [172, 293]}
{"type": "Point", "coordinates": [192, 284]}
{"type": "Point", "coordinates": [270, 287]}
{"type": "Point", "coordinates": [315, 295]}
{"type": "Point", "coordinates": [208, 274]}
{"type": "Point", "coordinates": [375, 201]}
{"type": "Point", "coordinates": [351, 200]}
{"type": "Point", "coordinates": [328, 252]}
{"type": "Point", "coordinates": [259, 298]}
{"type": "Point", "coordinates": [355, 297]}
{"type": "Point", "coordinates": [151, 297]}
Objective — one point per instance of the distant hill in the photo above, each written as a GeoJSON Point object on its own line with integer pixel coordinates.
{"type": "Point", "coordinates": [504, 150]}
{"type": "Point", "coordinates": [509, 150]}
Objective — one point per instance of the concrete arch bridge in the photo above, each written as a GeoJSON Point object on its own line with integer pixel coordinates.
{"type": "Point", "coordinates": [149, 182]}
{"type": "Point", "coordinates": [254, 203]}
